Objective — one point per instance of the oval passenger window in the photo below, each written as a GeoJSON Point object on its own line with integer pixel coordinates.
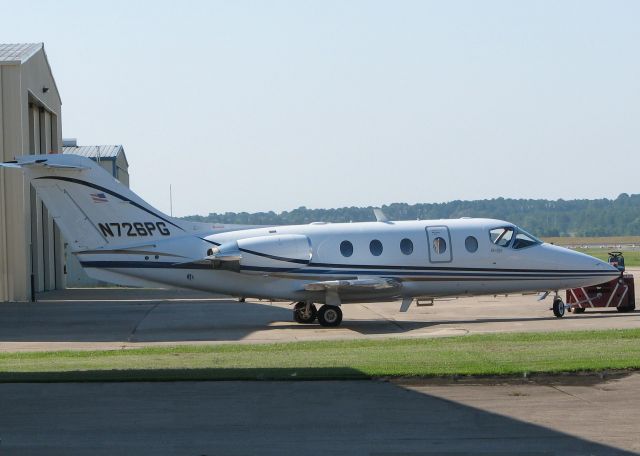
{"type": "Point", "coordinates": [471, 244]}
{"type": "Point", "coordinates": [375, 247]}
{"type": "Point", "coordinates": [406, 246]}
{"type": "Point", "coordinates": [346, 248]}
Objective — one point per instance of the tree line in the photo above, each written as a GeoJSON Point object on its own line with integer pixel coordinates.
{"type": "Point", "coordinates": [599, 217]}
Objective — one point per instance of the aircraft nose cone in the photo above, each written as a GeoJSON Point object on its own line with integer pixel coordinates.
{"type": "Point", "coordinates": [606, 266]}
{"type": "Point", "coordinates": [594, 264]}
{"type": "Point", "coordinates": [566, 259]}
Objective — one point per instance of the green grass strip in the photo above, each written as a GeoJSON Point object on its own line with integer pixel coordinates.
{"type": "Point", "coordinates": [491, 354]}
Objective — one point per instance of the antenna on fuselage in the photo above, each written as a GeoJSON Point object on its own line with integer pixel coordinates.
{"type": "Point", "coordinates": [170, 201]}
{"type": "Point", "coordinates": [380, 216]}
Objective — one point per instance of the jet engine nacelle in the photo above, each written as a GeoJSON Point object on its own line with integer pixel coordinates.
{"type": "Point", "coordinates": [287, 251]}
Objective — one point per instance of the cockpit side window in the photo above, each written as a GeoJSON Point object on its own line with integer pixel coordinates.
{"type": "Point", "coordinates": [524, 239]}
{"type": "Point", "coordinates": [501, 236]}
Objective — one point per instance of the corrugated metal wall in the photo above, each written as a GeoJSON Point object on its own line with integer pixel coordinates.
{"type": "Point", "coordinates": [30, 245]}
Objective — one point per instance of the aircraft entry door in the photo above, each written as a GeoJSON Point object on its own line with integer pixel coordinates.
{"type": "Point", "coordinates": [439, 243]}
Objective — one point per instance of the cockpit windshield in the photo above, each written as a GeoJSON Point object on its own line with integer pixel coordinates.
{"type": "Point", "coordinates": [524, 239]}
{"type": "Point", "coordinates": [503, 237]}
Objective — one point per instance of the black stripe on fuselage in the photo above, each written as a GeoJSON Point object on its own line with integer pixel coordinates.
{"type": "Point", "coordinates": [274, 257]}
{"type": "Point", "coordinates": [440, 268]}
{"type": "Point", "coordinates": [405, 275]}
{"type": "Point", "coordinates": [460, 272]}
{"type": "Point", "coordinates": [112, 193]}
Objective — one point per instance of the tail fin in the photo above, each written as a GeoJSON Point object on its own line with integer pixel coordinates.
{"type": "Point", "coordinates": [92, 208]}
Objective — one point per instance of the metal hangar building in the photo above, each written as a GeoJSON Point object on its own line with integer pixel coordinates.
{"type": "Point", "coordinates": [31, 247]}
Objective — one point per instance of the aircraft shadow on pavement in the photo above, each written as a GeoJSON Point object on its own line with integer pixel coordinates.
{"type": "Point", "coordinates": [140, 321]}
{"type": "Point", "coordinates": [193, 320]}
{"type": "Point", "coordinates": [207, 418]}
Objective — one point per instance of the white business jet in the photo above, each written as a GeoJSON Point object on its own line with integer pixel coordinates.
{"type": "Point", "coordinates": [119, 238]}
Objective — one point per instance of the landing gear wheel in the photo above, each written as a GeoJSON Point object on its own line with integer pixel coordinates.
{"type": "Point", "coordinates": [303, 315]}
{"type": "Point", "coordinates": [630, 305]}
{"type": "Point", "coordinates": [558, 308]}
{"type": "Point", "coordinates": [626, 308]}
{"type": "Point", "coordinates": [579, 310]}
{"type": "Point", "coordinates": [329, 316]}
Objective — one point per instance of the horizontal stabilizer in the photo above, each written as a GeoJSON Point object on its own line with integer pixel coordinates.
{"type": "Point", "coordinates": [374, 283]}
{"type": "Point", "coordinates": [32, 161]}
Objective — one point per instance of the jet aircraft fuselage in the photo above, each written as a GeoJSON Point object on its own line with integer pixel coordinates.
{"type": "Point", "coordinates": [120, 238]}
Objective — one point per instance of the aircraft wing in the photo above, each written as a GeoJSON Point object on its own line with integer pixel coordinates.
{"type": "Point", "coordinates": [372, 283]}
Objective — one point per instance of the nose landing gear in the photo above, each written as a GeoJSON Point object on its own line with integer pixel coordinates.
{"type": "Point", "coordinates": [558, 307]}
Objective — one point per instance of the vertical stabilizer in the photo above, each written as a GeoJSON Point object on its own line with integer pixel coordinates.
{"type": "Point", "coordinates": [92, 208]}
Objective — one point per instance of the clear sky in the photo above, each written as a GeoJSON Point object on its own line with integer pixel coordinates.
{"type": "Point", "coordinates": [271, 105]}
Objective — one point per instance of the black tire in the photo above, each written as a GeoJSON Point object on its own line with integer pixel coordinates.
{"type": "Point", "coordinates": [579, 310]}
{"type": "Point", "coordinates": [627, 308]}
{"type": "Point", "coordinates": [558, 308]}
{"type": "Point", "coordinates": [630, 306]}
{"type": "Point", "coordinates": [329, 316]}
{"type": "Point", "coordinates": [301, 316]}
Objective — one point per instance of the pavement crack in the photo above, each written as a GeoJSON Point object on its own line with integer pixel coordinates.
{"type": "Point", "coordinates": [146, 314]}
{"type": "Point", "coordinates": [569, 394]}
{"type": "Point", "coordinates": [394, 322]}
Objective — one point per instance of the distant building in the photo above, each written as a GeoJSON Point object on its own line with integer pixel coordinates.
{"type": "Point", "coordinates": [114, 161]}
{"type": "Point", "coordinates": [111, 158]}
{"type": "Point", "coordinates": [31, 258]}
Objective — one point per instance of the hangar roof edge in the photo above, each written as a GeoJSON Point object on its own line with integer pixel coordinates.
{"type": "Point", "coordinates": [16, 53]}
{"type": "Point", "coordinates": [107, 152]}
{"type": "Point", "coordinates": [19, 53]}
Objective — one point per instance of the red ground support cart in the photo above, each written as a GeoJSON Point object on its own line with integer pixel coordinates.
{"type": "Point", "coordinates": [618, 293]}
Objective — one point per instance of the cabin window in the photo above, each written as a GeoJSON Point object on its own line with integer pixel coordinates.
{"type": "Point", "coordinates": [439, 245]}
{"type": "Point", "coordinates": [471, 243]}
{"type": "Point", "coordinates": [375, 247]}
{"type": "Point", "coordinates": [501, 236]}
{"type": "Point", "coordinates": [406, 246]}
{"type": "Point", "coordinates": [524, 239]}
{"type": "Point", "coordinates": [346, 248]}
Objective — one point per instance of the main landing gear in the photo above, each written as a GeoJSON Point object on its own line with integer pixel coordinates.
{"type": "Point", "coordinates": [306, 312]}
{"type": "Point", "coordinates": [329, 316]}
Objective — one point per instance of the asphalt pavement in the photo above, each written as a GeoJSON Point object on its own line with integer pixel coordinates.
{"type": "Point", "coordinates": [564, 416]}
{"type": "Point", "coordinates": [115, 318]}
{"type": "Point", "coordinates": [548, 417]}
